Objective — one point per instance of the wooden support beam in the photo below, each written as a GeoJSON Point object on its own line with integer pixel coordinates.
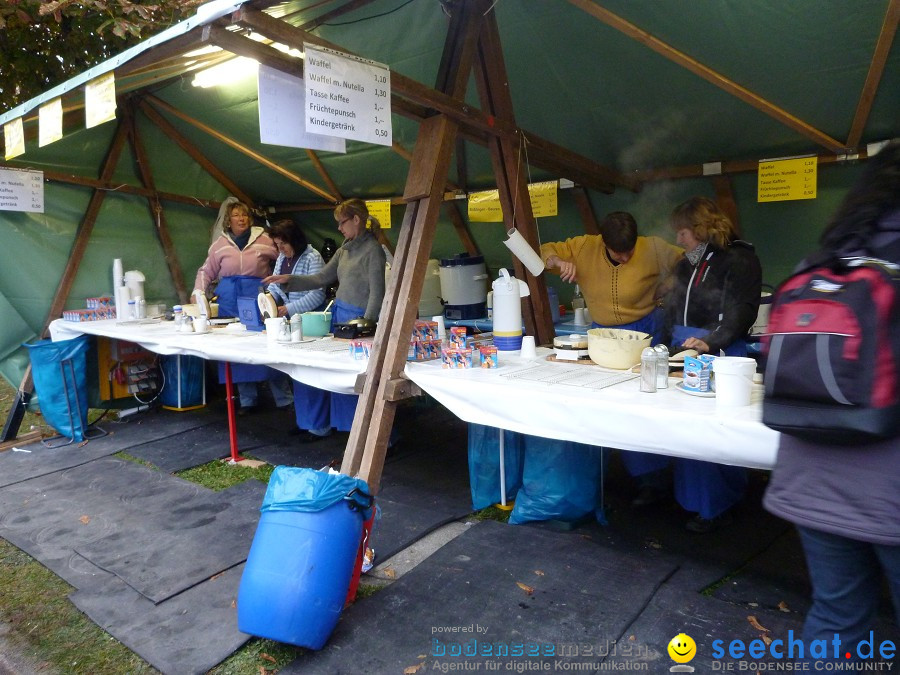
{"type": "Point", "coordinates": [268, 163]}
{"type": "Point", "coordinates": [171, 48]}
{"type": "Point", "coordinates": [194, 153]}
{"type": "Point", "coordinates": [157, 214]}
{"type": "Point", "coordinates": [374, 417]}
{"type": "Point", "coordinates": [725, 200]}
{"type": "Point", "coordinates": [261, 52]}
{"type": "Point", "coordinates": [407, 92]}
{"type": "Point", "coordinates": [335, 13]}
{"type": "Point", "coordinates": [585, 210]}
{"type": "Point", "coordinates": [317, 163]}
{"type": "Point", "coordinates": [395, 390]}
{"type": "Point", "coordinates": [713, 77]}
{"type": "Point", "coordinates": [509, 172]}
{"type": "Point", "coordinates": [24, 439]}
{"type": "Point", "coordinates": [876, 70]}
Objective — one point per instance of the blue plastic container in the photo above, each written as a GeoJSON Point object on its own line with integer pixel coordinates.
{"type": "Point", "coordinates": [298, 572]}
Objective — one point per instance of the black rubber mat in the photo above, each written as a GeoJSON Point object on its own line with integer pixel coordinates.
{"type": "Point", "coordinates": [191, 448]}
{"type": "Point", "coordinates": [164, 552]}
{"type": "Point", "coordinates": [189, 633]}
{"type": "Point", "coordinates": [495, 587]}
{"type": "Point", "coordinates": [50, 516]}
{"type": "Point", "coordinates": [39, 460]}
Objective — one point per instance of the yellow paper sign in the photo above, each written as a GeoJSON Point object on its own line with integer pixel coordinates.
{"type": "Point", "coordinates": [787, 179]}
{"type": "Point", "coordinates": [543, 198]}
{"type": "Point", "coordinates": [50, 119]}
{"type": "Point", "coordinates": [14, 138]}
{"type": "Point", "coordinates": [484, 207]}
{"type": "Point", "coordinates": [100, 100]}
{"type": "Point", "coordinates": [380, 209]}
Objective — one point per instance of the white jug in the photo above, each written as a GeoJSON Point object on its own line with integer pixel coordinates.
{"type": "Point", "coordinates": [508, 292]}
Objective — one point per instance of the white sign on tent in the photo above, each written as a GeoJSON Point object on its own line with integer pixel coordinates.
{"type": "Point", "coordinates": [282, 100]}
{"type": "Point", "coordinates": [21, 190]}
{"type": "Point", "coordinates": [347, 96]}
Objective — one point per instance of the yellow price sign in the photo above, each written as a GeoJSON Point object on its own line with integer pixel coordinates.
{"type": "Point", "coordinates": [100, 100]}
{"type": "Point", "coordinates": [787, 179]}
{"type": "Point", "coordinates": [484, 207]}
{"type": "Point", "coordinates": [380, 209]}
{"type": "Point", "coordinates": [50, 119]}
{"type": "Point", "coordinates": [14, 138]}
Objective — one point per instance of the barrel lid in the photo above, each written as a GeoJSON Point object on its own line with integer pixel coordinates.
{"type": "Point", "coordinates": [462, 259]}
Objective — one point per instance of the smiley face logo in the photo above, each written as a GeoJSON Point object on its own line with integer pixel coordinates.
{"type": "Point", "coordinates": [682, 648]}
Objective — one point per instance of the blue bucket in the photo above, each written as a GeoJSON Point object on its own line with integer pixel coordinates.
{"type": "Point", "coordinates": [298, 572]}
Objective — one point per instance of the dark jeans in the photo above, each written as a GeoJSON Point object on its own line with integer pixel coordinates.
{"type": "Point", "coordinates": [846, 581]}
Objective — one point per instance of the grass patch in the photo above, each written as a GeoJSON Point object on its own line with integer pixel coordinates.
{"type": "Point", "coordinates": [257, 656]}
{"type": "Point", "coordinates": [131, 458]}
{"type": "Point", "coordinates": [50, 629]}
{"type": "Point", "coordinates": [493, 513]}
{"type": "Point", "coordinates": [219, 475]}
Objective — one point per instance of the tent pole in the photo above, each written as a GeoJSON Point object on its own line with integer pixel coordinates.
{"type": "Point", "coordinates": [156, 211]}
{"type": "Point", "coordinates": [585, 210]}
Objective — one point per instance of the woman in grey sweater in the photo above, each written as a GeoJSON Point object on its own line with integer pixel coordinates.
{"type": "Point", "coordinates": [358, 268]}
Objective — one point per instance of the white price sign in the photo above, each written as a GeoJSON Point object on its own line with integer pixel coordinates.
{"type": "Point", "coordinates": [21, 190]}
{"type": "Point", "coordinates": [347, 96]}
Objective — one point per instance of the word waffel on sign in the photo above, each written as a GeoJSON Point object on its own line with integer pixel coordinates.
{"type": "Point", "coordinates": [21, 190]}
{"type": "Point", "coordinates": [780, 180]}
{"type": "Point", "coordinates": [346, 96]}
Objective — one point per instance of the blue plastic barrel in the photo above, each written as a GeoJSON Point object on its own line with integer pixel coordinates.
{"type": "Point", "coordinates": [298, 572]}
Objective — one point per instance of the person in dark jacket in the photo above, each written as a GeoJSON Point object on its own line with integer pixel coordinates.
{"type": "Point", "coordinates": [710, 307]}
{"type": "Point", "coordinates": [845, 500]}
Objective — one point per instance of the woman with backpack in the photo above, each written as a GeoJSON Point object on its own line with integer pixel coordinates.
{"type": "Point", "coordinates": [845, 499]}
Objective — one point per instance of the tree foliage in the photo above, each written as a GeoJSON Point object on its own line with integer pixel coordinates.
{"type": "Point", "coordinates": [45, 42]}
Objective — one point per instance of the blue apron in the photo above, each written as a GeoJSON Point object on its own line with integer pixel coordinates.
{"type": "Point", "coordinates": [228, 291]}
{"type": "Point", "coordinates": [320, 409]}
{"type": "Point", "coordinates": [652, 324]}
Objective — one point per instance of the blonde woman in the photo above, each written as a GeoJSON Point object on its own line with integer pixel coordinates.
{"type": "Point", "coordinates": [358, 268]}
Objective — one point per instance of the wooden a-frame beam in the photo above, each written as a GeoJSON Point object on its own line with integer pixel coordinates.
{"type": "Point", "coordinates": [585, 210]}
{"type": "Point", "coordinates": [346, 8]}
{"type": "Point", "coordinates": [194, 153]}
{"type": "Point", "coordinates": [542, 153]}
{"type": "Point", "coordinates": [876, 69]}
{"type": "Point", "coordinates": [268, 163]}
{"type": "Point", "coordinates": [626, 27]}
{"type": "Point", "coordinates": [367, 445]}
{"type": "Point", "coordinates": [507, 159]}
{"type": "Point", "coordinates": [157, 215]}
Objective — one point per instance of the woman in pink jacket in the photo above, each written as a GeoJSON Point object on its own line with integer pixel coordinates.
{"type": "Point", "coordinates": [238, 260]}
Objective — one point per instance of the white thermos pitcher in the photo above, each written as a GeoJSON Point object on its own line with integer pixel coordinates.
{"type": "Point", "coordinates": [508, 311]}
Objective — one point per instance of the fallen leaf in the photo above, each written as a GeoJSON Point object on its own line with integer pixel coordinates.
{"type": "Point", "coordinates": [390, 573]}
{"type": "Point", "coordinates": [412, 670]}
{"type": "Point", "coordinates": [631, 638]}
{"type": "Point", "coordinates": [216, 576]}
{"type": "Point", "coordinates": [756, 624]}
{"type": "Point", "coordinates": [268, 657]}
{"type": "Point", "coordinates": [765, 638]}
{"type": "Point", "coordinates": [783, 606]}
{"type": "Point", "coordinates": [262, 670]}
{"type": "Point", "coordinates": [539, 573]}
{"type": "Point", "coordinates": [85, 519]}
{"type": "Point", "coordinates": [234, 604]}
{"type": "Point", "coordinates": [527, 589]}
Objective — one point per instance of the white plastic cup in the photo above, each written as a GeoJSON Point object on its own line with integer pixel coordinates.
{"type": "Point", "coordinates": [734, 380]}
{"type": "Point", "coordinates": [579, 317]}
{"type": "Point", "coordinates": [273, 330]}
{"type": "Point", "coordinates": [201, 325]}
{"type": "Point", "coordinates": [529, 351]}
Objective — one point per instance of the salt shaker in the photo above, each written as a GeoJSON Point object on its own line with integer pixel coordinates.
{"type": "Point", "coordinates": [296, 328]}
{"type": "Point", "coordinates": [648, 369]}
{"type": "Point", "coordinates": [662, 366]}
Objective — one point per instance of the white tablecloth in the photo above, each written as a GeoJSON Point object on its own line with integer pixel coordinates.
{"type": "Point", "coordinates": [668, 422]}
{"type": "Point", "coordinates": [335, 372]}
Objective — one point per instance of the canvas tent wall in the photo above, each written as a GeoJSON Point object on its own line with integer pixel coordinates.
{"type": "Point", "coordinates": [615, 81]}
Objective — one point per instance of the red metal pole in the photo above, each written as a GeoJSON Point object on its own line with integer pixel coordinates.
{"type": "Point", "coordinates": [232, 423]}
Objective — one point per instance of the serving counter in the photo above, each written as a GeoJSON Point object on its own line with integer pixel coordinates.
{"type": "Point", "coordinates": [320, 362]}
{"type": "Point", "coordinates": [583, 403]}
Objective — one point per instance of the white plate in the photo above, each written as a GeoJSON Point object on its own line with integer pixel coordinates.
{"type": "Point", "coordinates": [702, 394]}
